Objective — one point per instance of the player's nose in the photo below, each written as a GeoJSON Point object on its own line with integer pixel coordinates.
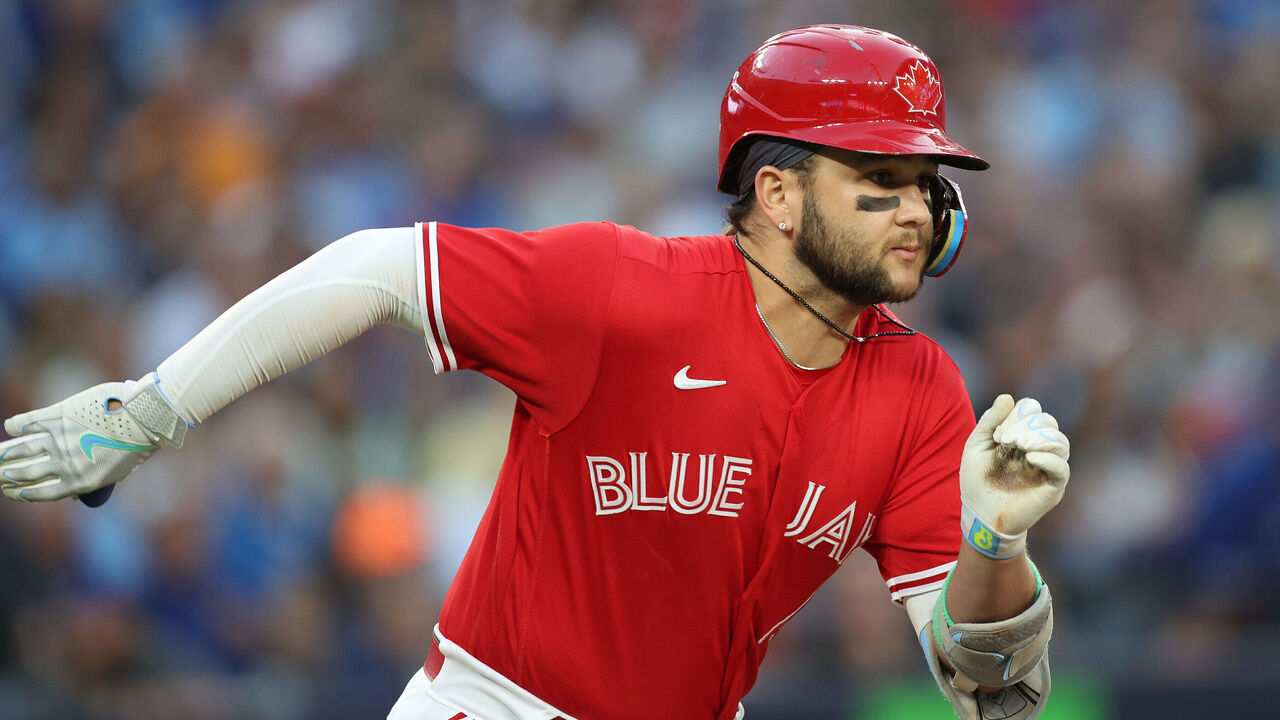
{"type": "Point", "coordinates": [914, 209]}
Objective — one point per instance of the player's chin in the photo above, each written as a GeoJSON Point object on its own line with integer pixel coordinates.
{"type": "Point", "coordinates": [904, 293]}
{"type": "Point", "coordinates": [904, 282]}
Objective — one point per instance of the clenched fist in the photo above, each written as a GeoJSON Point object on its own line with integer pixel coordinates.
{"type": "Point", "coordinates": [1014, 470]}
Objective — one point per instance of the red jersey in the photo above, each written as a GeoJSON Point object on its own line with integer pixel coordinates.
{"type": "Point", "coordinates": [674, 491]}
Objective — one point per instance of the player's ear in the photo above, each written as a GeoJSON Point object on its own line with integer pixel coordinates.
{"type": "Point", "coordinates": [776, 195]}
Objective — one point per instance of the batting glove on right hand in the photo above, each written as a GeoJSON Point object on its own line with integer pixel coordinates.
{"type": "Point", "coordinates": [1013, 471]}
{"type": "Point", "coordinates": [87, 442]}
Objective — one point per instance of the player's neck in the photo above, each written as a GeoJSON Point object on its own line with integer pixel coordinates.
{"type": "Point", "coordinates": [803, 337]}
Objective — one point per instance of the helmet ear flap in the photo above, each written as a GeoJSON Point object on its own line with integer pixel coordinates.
{"type": "Point", "coordinates": [949, 225]}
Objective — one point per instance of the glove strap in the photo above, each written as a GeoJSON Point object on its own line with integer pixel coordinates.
{"type": "Point", "coordinates": [985, 539]}
{"type": "Point", "coordinates": [149, 408]}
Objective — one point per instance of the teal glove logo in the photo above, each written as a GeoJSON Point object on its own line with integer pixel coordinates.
{"type": "Point", "coordinates": [89, 441]}
{"type": "Point", "coordinates": [983, 539]}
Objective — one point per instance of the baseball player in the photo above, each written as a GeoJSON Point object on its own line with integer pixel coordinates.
{"type": "Point", "coordinates": [705, 427]}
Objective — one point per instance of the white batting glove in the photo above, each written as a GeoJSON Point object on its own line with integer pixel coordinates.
{"type": "Point", "coordinates": [79, 445]}
{"type": "Point", "coordinates": [1014, 470]}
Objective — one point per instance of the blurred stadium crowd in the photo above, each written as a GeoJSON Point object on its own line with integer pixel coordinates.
{"type": "Point", "coordinates": [161, 158]}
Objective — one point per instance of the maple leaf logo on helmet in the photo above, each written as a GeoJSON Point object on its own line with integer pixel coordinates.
{"type": "Point", "coordinates": [920, 88]}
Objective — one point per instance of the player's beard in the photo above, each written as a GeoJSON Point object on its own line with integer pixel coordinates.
{"type": "Point", "coordinates": [845, 266]}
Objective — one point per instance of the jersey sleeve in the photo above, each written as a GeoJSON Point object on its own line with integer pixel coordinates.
{"type": "Point", "coordinates": [527, 309]}
{"type": "Point", "coordinates": [917, 538]}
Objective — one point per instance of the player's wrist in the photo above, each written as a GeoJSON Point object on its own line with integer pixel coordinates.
{"type": "Point", "coordinates": [146, 403]}
{"type": "Point", "coordinates": [983, 537]}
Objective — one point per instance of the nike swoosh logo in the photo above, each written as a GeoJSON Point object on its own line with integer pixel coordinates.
{"type": "Point", "coordinates": [89, 441]}
{"type": "Point", "coordinates": [684, 382]}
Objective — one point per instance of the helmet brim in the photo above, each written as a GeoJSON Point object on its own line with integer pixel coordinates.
{"type": "Point", "coordinates": [878, 138]}
{"type": "Point", "coordinates": [895, 138]}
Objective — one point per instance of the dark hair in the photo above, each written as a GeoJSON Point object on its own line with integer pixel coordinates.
{"type": "Point", "coordinates": [737, 211]}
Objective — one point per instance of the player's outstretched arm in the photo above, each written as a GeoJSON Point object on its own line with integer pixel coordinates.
{"type": "Point", "coordinates": [84, 444]}
{"type": "Point", "coordinates": [990, 627]}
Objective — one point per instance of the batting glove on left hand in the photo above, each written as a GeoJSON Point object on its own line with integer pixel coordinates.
{"type": "Point", "coordinates": [1014, 470]}
{"type": "Point", "coordinates": [87, 441]}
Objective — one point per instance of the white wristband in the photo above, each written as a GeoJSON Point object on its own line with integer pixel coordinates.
{"type": "Point", "coordinates": [984, 538]}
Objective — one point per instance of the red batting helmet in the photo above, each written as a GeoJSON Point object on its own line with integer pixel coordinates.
{"type": "Point", "coordinates": [843, 86]}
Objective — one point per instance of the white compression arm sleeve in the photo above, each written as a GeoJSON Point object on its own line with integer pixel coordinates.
{"type": "Point", "coordinates": [920, 608]}
{"type": "Point", "coordinates": [364, 279]}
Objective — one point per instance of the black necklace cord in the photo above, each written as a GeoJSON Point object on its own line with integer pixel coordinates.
{"type": "Point", "coordinates": [904, 331]}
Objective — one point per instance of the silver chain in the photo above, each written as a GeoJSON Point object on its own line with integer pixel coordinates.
{"type": "Point", "coordinates": [904, 331]}
{"type": "Point", "coordinates": [783, 348]}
